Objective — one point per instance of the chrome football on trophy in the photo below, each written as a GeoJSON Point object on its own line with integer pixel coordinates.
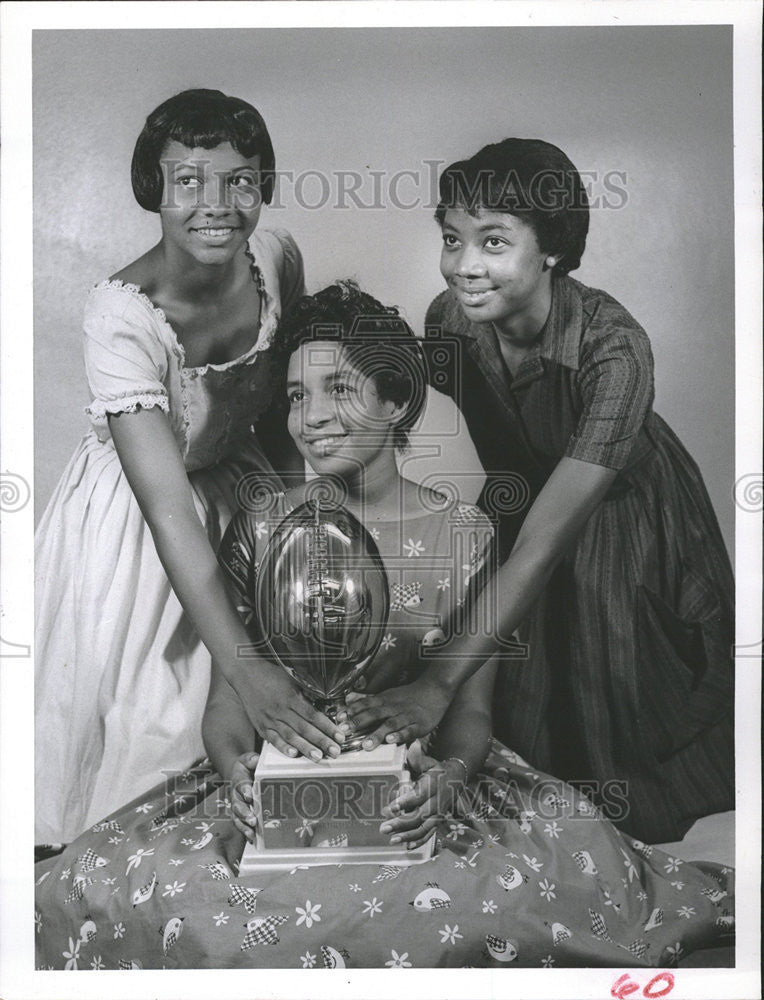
{"type": "Point", "coordinates": [322, 602]}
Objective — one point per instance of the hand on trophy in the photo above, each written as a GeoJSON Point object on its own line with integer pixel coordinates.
{"type": "Point", "coordinates": [283, 715]}
{"type": "Point", "coordinates": [243, 805]}
{"type": "Point", "coordinates": [400, 714]}
{"type": "Point", "coordinates": [419, 807]}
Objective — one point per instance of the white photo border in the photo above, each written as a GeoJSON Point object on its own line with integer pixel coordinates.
{"type": "Point", "coordinates": [17, 976]}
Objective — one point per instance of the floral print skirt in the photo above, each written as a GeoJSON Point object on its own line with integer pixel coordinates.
{"type": "Point", "coordinates": [526, 873]}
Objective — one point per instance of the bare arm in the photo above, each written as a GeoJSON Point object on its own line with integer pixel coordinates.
{"type": "Point", "coordinates": [226, 729]}
{"type": "Point", "coordinates": [458, 751]}
{"type": "Point", "coordinates": [230, 738]}
{"type": "Point", "coordinates": [568, 499]}
{"type": "Point", "coordinates": [155, 471]}
{"type": "Point", "coordinates": [465, 730]}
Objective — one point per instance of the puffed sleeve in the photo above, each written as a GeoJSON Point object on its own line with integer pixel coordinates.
{"type": "Point", "coordinates": [291, 270]}
{"type": "Point", "coordinates": [125, 359]}
{"type": "Point", "coordinates": [615, 382]}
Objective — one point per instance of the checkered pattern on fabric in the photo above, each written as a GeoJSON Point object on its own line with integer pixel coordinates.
{"type": "Point", "coordinates": [715, 895]}
{"type": "Point", "coordinates": [440, 904]}
{"type": "Point", "coordinates": [218, 871]}
{"type": "Point", "coordinates": [242, 896]}
{"type": "Point", "coordinates": [557, 801]}
{"type": "Point", "coordinates": [262, 931]}
{"type": "Point", "coordinates": [145, 891]}
{"type": "Point", "coordinates": [483, 810]}
{"type": "Point", "coordinates": [656, 919]}
{"type": "Point", "coordinates": [159, 819]}
{"type": "Point", "coordinates": [498, 944]}
{"type": "Point", "coordinates": [599, 927]}
{"type": "Point", "coordinates": [110, 824]}
{"type": "Point", "coordinates": [338, 840]}
{"type": "Point", "coordinates": [636, 948]}
{"type": "Point", "coordinates": [171, 939]}
{"type": "Point", "coordinates": [561, 934]}
{"type": "Point", "coordinates": [387, 872]}
{"type": "Point", "coordinates": [89, 861]}
{"type": "Point", "coordinates": [506, 877]}
{"type": "Point", "coordinates": [170, 824]}
{"type": "Point", "coordinates": [405, 595]}
{"type": "Point", "coordinates": [645, 850]}
{"type": "Point", "coordinates": [328, 959]}
{"type": "Point", "coordinates": [78, 888]}
{"type": "Point", "coordinates": [583, 859]}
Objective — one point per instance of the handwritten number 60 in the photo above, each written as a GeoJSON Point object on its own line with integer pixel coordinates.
{"type": "Point", "coordinates": [659, 986]}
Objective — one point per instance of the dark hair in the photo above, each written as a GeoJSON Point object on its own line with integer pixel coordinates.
{"type": "Point", "coordinates": [374, 338]}
{"type": "Point", "coordinates": [199, 119]}
{"type": "Point", "coordinates": [531, 179]}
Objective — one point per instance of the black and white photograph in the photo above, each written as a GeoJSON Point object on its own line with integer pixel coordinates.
{"type": "Point", "coordinates": [381, 499]}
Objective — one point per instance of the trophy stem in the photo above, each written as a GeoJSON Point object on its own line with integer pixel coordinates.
{"type": "Point", "coordinates": [330, 708]}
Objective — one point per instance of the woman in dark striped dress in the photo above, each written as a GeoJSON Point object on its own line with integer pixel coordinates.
{"type": "Point", "coordinates": [614, 570]}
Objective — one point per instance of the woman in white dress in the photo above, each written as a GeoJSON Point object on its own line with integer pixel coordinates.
{"type": "Point", "coordinates": [130, 600]}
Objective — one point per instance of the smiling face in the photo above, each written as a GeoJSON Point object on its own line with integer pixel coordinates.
{"type": "Point", "coordinates": [493, 264]}
{"type": "Point", "coordinates": [211, 201]}
{"type": "Point", "coordinates": [337, 419]}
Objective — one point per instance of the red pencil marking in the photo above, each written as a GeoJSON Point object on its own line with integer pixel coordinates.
{"type": "Point", "coordinates": [623, 987]}
{"type": "Point", "coordinates": [667, 977]}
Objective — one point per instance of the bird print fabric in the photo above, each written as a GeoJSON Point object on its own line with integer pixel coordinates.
{"type": "Point", "coordinates": [517, 881]}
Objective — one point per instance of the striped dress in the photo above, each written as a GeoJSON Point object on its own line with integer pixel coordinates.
{"type": "Point", "coordinates": [628, 686]}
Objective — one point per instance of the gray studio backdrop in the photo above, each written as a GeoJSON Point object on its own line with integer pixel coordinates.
{"type": "Point", "coordinates": [646, 112]}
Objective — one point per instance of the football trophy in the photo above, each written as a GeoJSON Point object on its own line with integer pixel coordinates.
{"type": "Point", "coordinates": [322, 602]}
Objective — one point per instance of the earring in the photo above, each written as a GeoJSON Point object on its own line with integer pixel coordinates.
{"type": "Point", "coordinates": [551, 261]}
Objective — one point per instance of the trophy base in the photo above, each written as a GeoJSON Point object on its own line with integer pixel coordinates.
{"type": "Point", "coordinates": [327, 812]}
{"type": "Point", "coordinates": [254, 860]}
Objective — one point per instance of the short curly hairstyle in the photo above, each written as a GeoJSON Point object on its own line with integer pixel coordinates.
{"type": "Point", "coordinates": [374, 338]}
{"type": "Point", "coordinates": [199, 119]}
{"type": "Point", "coordinates": [531, 179]}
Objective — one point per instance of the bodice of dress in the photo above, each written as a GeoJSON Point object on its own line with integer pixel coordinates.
{"type": "Point", "coordinates": [134, 359]}
{"type": "Point", "coordinates": [433, 562]}
{"type": "Point", "coordinates": [585, 390]}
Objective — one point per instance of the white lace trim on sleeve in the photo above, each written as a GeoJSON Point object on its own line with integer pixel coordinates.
{"type": "Point", "coordinates": [99, 409]}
